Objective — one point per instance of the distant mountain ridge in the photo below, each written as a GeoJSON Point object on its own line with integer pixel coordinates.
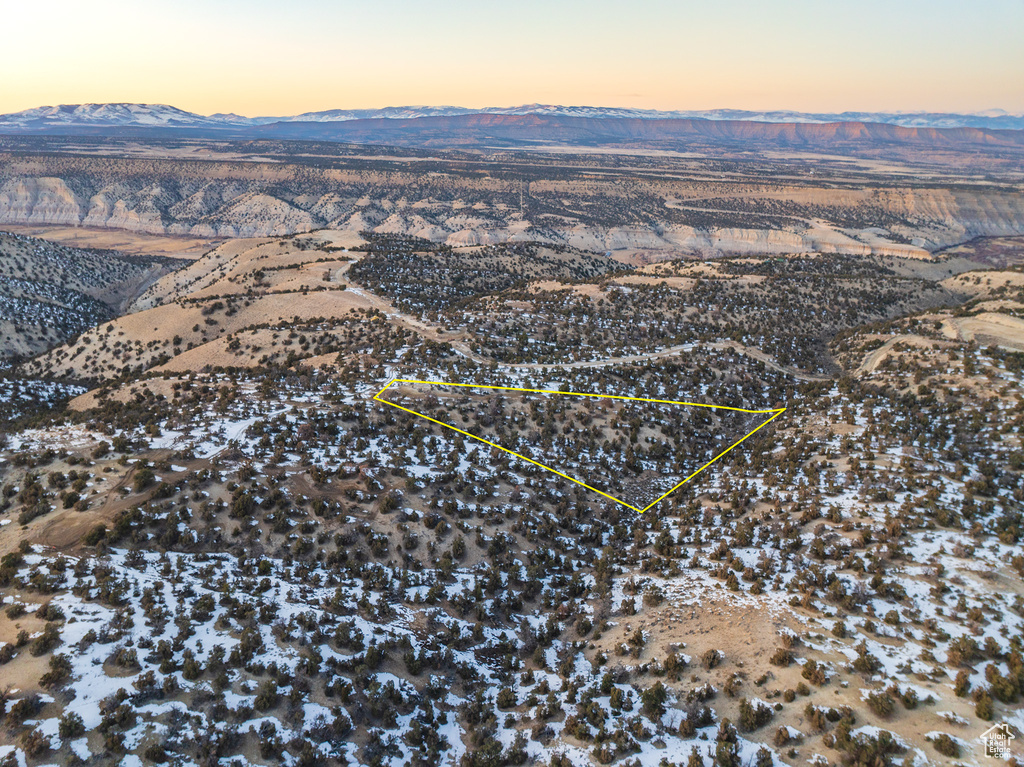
{"type": "Point", "coordinates": [536, 126]}
{"type": "Point", "coordinates": [511, 131]}
{"type": "Point", "coordinates": [67, 116]}
{"type": "Point", "coordinates": [138, 115]}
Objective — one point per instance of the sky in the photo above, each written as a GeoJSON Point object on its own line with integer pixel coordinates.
{"type": "Point", "coordinates": [280, 57]}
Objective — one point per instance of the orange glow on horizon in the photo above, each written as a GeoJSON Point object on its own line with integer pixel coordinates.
{"type": "Point", "coordinates": [264, 58]}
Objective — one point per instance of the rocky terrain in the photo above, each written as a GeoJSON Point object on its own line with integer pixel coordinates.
{"type": "Point", "coordinates": [639, 209]}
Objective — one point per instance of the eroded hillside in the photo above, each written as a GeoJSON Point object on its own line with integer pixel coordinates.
{"type": "Point", "coordinates": [639, 208]}
{"type": "Point", "coordinates": [49, 292]}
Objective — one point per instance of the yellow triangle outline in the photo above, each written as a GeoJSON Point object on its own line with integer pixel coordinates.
{"type": "Point", "coordinates": [775, 411]}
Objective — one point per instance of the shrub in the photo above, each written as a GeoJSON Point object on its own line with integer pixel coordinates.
{"type": "Point", "coordinates": [782, 737]}
{"type": "Point", "coordinates": [155, 753]}
{"type": "Point", "coordinates": [653, 596]}
{"type": "Point", "coordinates": [983, 706]}
{"type": "Point", "coordinates": [506, 698]}
{"type": "Point", "coordinates": [962, 651]}
{"type": "Point", "coordinates": [909, 698]}
{"type": "Point", "coordinates": [59, 673]}
{"type": "Point", "coordinates": [190, 668]}
{"type": "Point", "coordinates": [816, 717]}
{"type": "Point", "coordinates": [864, 749]}
{"type": "Point", "coordinates": [653, 700]}
{"type": "Point", "coordinates": [144, 477]}
{"type": "Point", "coordinates": [70, 726]}
{"type": "Point", "coordinates": [753, 716]}
{"type": "Point", "coordinates": [865, 662]}
{"type": "Point", "coordinates": [726, 746]}
{"type": "Point", "coordinates": [963, 683]}
{"type": "Point", "coordinates": [946, 745]}
{"type": "Point", "coordinates": [50, 612]}
{"type": "Point", "coordinates": [881, 703]}
{"type": "Point", "coordinates": [34, 743]}
{"type": "Point", "coordinates": [814, 673]}
{"type": "Point", "coordinates": [24, 708]}
{"type": "Point", "coordinates": [266, 695]}
{"type": "Point", "coordinates": [674, 665]}
{"type": "Point", "coordinates": [49, 639]}
{"type": "Point", "coordinates": [95, 535]}
{"type": "Point", "coordinates": [732, 685]}
{"type": "Point", "coordinates": [1004, 688]}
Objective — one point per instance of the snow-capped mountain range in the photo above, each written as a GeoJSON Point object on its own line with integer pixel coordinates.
{"type": "Point", "coordinates": [51, 118]}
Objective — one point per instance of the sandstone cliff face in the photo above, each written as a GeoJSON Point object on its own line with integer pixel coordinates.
{"type": "Point", "coordinates": [39, 201]}
{"type": "Point", "coordinates": [677, 218]}
{"type": "Point", "coordinates": [945, 217]}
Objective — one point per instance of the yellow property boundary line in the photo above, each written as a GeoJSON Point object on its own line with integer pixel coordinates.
{"type": "Point", "coordinates": [775, 411]}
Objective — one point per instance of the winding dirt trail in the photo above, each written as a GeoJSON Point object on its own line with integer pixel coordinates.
{"type": "Point", "coordinates": [874, 358]}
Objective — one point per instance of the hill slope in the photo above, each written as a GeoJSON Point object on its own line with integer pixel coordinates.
{"type": "Point", "coordinates": [232, 564]}
{"type": "Point", "coordinates": [50, 292]}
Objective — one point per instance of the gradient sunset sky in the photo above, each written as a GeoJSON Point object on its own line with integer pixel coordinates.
{"type": "Point", "coordinates": [267, 57]}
